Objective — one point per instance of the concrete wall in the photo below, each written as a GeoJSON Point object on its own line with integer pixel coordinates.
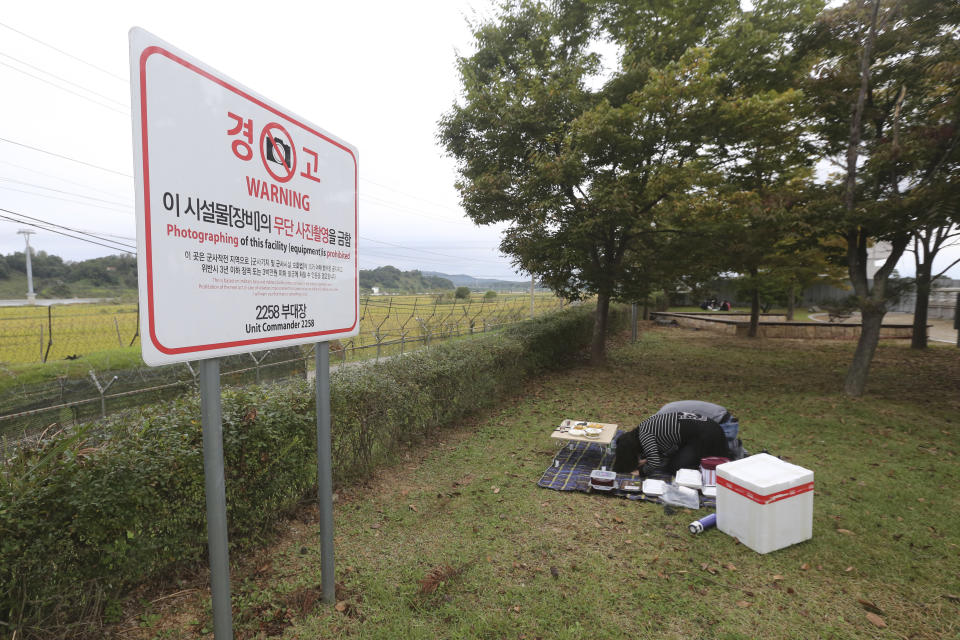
{"type": "Point", "coordinates": [775, 326]}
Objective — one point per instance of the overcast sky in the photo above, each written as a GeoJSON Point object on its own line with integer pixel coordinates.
{"type": "Point", "coordinates": [378, 74]}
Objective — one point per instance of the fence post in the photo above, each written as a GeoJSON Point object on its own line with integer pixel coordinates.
{"type": "Point", "coordinates": [956, 319]}
{"type": "Point", "coordinates": [257, 363]}
{"type": "Point", "coordinates": [102, 390]}
{"type": "Point", "coordinates": [195, 375]}
{"type": "Point", "coordinates": [49, 331]}
{"type": "Point", "coordinates": [116, 325]}
{"type": "Point", "coordinates": [137, 330]}
{"type": "Point", "coordinates": [41, 341]}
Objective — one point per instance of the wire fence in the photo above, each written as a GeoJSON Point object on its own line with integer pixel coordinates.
{"type": "Point", "coordinates": [109, 376]}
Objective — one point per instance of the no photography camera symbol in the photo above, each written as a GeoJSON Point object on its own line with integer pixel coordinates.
{"type": "Point", "coordinates": [276, 143]}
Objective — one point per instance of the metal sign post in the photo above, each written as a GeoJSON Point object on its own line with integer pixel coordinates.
{"type": "Point", "coordinates": [324, 471]}
{"type": "Point", "coordinates": [247, 229]}
{"type": "Point", "coordinates": [216, 498]}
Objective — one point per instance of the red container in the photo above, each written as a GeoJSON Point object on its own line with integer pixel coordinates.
{"type": "Point", "coordinates": [708, 469]}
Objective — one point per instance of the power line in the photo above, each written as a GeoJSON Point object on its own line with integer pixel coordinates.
{"type": "Point", "coordinates": [82, 204]}
{"type": "Point", "coordinates": [436, 253]}
{"type": "Point", "coordinates": [51, 153]}
{"type": "Point", "coordinates": [57, 86]}
{"type": "Point", "coordinates": [60, 178]}
{"type": "Point", "coordinates": [401, 207]}
{"type": "Point", "coordinates": [409, 195]}
{"type": "Point", "coordinates": [60, 226]}
{"type": "Point", "coordinates": [61, 51]}
{"type": "Point", "coordinates": [38, 226]}
{"type": "Point", "coordinates": [73, 84]}
{"type": "Point", "coordinates": [71, 193]}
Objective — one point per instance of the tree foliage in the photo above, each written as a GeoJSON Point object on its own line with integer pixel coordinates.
{"type": "Point", "coordinates": [885, 92]}
{"type": "Point", "coordinates": [391, 279]}
{"type": "Point", "coordinates": [581, 160]}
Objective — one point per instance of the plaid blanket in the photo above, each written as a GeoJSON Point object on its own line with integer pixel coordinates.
{"type": "Point", "coordinates": [573, 464]}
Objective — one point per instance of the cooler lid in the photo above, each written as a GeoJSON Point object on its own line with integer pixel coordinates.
{"type": "Point", "coordinates": [764, 474]}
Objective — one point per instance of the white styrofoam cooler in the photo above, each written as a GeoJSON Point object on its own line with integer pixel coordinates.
{"type": "Point", "coordinates": [764, 502]}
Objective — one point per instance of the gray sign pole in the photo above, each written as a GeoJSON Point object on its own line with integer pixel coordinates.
{"type": "Point", "coordinates": [216, 498]}
{"type": "Point", "coordinates": [324, 472]}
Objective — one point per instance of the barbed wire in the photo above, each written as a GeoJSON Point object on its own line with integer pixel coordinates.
{"type": "Point", "coordinates": [389, 327]}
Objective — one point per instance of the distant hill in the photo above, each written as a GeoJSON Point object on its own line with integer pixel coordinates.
{"type": "Point", "coordinates": [107, 277]}
{"type": "Point", "coordinates": [463, 280]}
{"type": "Point", "coordinates": [391, 280]}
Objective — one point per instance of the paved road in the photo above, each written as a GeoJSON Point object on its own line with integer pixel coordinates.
{"type": "Point", "coordinates": [48, 302]}
{"type": "Point", "coordinates": [941, 329]}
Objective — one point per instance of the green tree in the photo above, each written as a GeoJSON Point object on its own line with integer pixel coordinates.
{"type": "Point", "coordinates": [584, 163]}
{"type": "Point", "coordinates": [462, 293]}
{"type": "Point", "coordinates": [763, 147]}
{"type": "Point", "coordinates": [891, 124]}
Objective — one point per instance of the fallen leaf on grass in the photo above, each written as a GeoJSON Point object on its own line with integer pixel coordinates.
{"type": "Point", "coordinates": [876, 620]}
{"type": "Point", "coordinates": [846, 531]}
{"type": "Point", "coordinates": [496, 489]}
{"type": "Point", "coordinates": [437, 576]}
{"type": "Point", "coordinates": [413, 508]}
{"type": "Point", "coordinates": [743, 604]}
{"type": "Point", "coordinates": [804, 566]}
{"type": "Point", "coordinates": [376, 525]}
{"type": "Point", "coordinates": [777, 576]}
{"type": "Point", "coordinates": [730, 566]}
{"type": "Point", "coordinates": [869, 606]}
{"type": "Point", "coordinates": [950, 596]}
{"type": "Point", "coordinates": [341, 606]}
{"type": "Point", "coordinates": [848, 569]}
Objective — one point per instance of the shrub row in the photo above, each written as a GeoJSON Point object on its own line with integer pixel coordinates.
{"type": "Point", "coordinates": [89, 514]}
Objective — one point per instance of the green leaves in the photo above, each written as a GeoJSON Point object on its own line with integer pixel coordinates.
{"type": "Point", "coordinates": [89, 513]}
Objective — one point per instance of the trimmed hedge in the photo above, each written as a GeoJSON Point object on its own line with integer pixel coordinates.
{"type": "Point", "coordinates": [88, 515]}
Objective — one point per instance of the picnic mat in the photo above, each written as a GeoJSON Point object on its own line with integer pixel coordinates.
{"type": "Point", "coordinates": [573, 464]}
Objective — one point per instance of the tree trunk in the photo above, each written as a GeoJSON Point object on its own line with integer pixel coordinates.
{"type": "Point", "coordinates": [791, 301]}
{"type": "Point", "coordinates": [598, 355]}
{"type": "Point", "coordinates": [856, 381]}
{"type": "Point", "coordinates": [754, 306]}
{"type": "Point", "coordinates": [920, 308]}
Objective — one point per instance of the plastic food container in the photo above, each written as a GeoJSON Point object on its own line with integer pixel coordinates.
{"type": "Point", "coordinates": [764, 502]}
{"type": "Point", "coordinates": [689, 478]}
{"type": "Point", "coordinates": [708, 469]}
{"type": "Point", "coordinates": [603, 480]}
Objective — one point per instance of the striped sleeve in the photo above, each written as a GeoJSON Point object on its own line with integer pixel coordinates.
{"type": "Point", "coordinates": [658, 434]}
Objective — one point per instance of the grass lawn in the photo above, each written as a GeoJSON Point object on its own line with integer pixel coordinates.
{"type": "Point", "coordinates": [457, 541]}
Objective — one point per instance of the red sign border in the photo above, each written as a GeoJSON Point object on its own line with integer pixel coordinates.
{"type": "Point", "coordinates": [148, 246]}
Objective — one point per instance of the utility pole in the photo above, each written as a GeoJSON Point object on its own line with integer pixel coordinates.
{"type": "Point", "coordinates": [31, 296]}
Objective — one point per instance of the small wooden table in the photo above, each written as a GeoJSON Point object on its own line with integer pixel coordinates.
{"type": "Point", "coordinates": [605, 438]}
